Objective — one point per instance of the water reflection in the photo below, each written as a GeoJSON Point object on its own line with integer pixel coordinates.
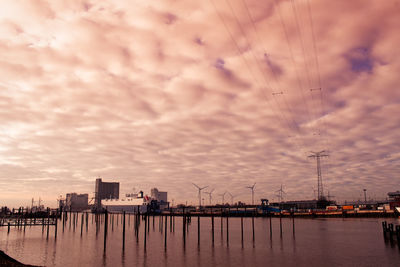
{"type": "Point", "coordinates": [322, 240]}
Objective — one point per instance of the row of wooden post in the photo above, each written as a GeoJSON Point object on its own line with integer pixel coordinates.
{"type": "Point", "coordinates": [186, 219]}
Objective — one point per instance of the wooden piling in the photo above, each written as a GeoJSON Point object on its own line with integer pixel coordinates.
{"type": "Point", "coordinates": [137, 226]}
{"type": "Point", "coordinates": [148, 223]}
{"type": "Point", "coordinates": [145, 231]}
{"type": "Point", "coordinates": [48, 224]}
{"type": "Point", "coordinates": [280, 223]}
{"type": "Point", "coordinates": [55, 226]}
{"type": "Point", "coordinates": [252, 225]}
{"type": "Point", "coordinates": [241, 228]}
{"type": "Point", "coordinates": [105, 229]}
{"type": "Point", "coordinates": [73, 223]}
{"type": "Point", "coordinates": [293, 225]}
{"type": "Point", "coordinates": [184, 228]}
{"type": "Point", "coordinates": [270, 226]}
{"type": "Point", "coordinates": [198, 230]}
{"type": "Point", "coordinates": [222, 226]}
{"type": "Point", "coordinates": [82, 224]}
{"type": "Point", "coordinates": [212, 228]}
{"type": "Point", "coordinates": [165, 232]}
{"type": "Point", "coordinates": [123, 233]}
{"type": "Point", "coordinates": [227, 230]}
{"type": "Point", "coordinates": [170, 223]}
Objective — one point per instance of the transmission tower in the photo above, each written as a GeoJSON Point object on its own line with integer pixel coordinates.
{"type": "Point", "coordinates": [318, 156]}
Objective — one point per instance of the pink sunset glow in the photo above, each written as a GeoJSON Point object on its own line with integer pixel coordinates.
{"type": "Point", "coordinates": [219, 93]}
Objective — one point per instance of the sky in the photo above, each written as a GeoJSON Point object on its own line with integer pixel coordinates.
{"type": "Point", "coordinates": [221, 93]}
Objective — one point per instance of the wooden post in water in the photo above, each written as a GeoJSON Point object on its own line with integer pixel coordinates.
{"type": "Point", "coordinates": [184, 227]}
{"type": "Point", "coordinates": [270, 225]}
{"type": "Point", "coordinates": [170, 223]}
{"type": "Point", "coordinates": [212, 227]}
{"type": "Point", "coordinates": [55, 226]}
{"type": "Point", "coordinates": [73, 222]}
{"type": "Point", "coordinates": [165, 232]}
{"type": "Point", "coordinates": [112, 222]}
{"type": "Point", "coordinates": [227, 229]}
{"type": "Point", "coordinates": [241, 227]}
{"type": "Point", "coordinates": [138, 226]}
{"type": "Point", "coordinates": [293, 224]}
{"type": "Point", "coordinates": [105, 230]}
{"type": "Point", "coordinates": [280, 222]}
{"type": "Point", "coordinates": [198, 230]}
{"type": "Point", "coordinates": [82, 218]}
{"type": "Point", "coordinates": [87, 218]}
{"type": "Point", "coordinates": [8, 228]}
{"type": "Point", "coordinates": [123, 233]}
{"type": "Point", "coordinates": [252, 225]}
{"type": "Point", "coordinates": [145, 231]}
{"type": "Point", "coordinates": [148, 223]}
{"type": "Point", "coordinates": [48, 224]}
{"type": "Point", "coordinates": [222, 226]}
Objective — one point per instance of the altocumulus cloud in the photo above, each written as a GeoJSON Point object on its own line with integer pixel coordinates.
{"type": "Point", "coordinates": [218, 93]}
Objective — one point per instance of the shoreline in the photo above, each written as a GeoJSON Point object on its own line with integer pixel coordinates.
{"type": "Point", "coordinates": [6, 260]}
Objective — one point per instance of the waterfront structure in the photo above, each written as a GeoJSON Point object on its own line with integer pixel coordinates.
{"type": "Point", "coordinates": [105, 190]}
{"type": "Point", "coordinates": [129, 205]}
{"type": "Point", "coordinates": [394, 199]}
{"type": "Point", "coordinates": [76, 202]}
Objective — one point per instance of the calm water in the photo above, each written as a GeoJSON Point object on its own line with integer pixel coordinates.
{"type": "Point", "coordinates": [317, 242]}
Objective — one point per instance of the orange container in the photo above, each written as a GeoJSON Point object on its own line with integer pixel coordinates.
{"type": "Point", "coordinates": [347, 207]}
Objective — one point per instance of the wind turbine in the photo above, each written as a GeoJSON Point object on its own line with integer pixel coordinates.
{"type": "Point", "coordinates": [200, 188]}
{"type": "Point", "coordinates": [209, 193]}
{"type": "Point", "coordinates": [252, 192]}
{"type": "Point", "coordinates": [281, 192]}
{"type": "Point", "coordinates": [232, 197]}
{"type": "Point", "coordinates": [222, 195]}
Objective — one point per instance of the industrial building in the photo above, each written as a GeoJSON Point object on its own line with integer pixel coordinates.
{"type": "Point", "coordinates": [394, 199]}
{"type": "Point", "coordinates": [159, 195]}
{"type": "Point", "coordinates": [105, 190]}
{"type": "Point", "coordinates": [76, 202]}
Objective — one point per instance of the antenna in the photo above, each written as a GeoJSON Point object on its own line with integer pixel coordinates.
{"type": "Point", "coordinates": [199, 188]}
{"type": "Point", "coordinates": [252, 192]}
{"type": "Point", "coordinates": [209, 193]}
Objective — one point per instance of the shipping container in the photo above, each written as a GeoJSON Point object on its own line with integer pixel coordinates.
{"type": "Point", "coordinates": [347, 207]}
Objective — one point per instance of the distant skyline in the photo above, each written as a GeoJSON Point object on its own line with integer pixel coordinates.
{"type": "Point", "coordinates": [221, 93]}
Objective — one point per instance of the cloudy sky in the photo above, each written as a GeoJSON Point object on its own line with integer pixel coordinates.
{"type": "Point", "coordinates": [222, 93]}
